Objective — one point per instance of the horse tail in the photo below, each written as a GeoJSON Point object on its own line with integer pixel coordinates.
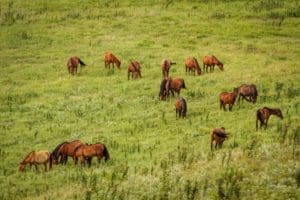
{"type": "Point", "coordinates": [106, 154]}
{"type": "Point", "coordinates": [81, 62]}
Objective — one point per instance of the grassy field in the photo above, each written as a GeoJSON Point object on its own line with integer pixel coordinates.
{"type": "Point", "coordinates": [153, 155]}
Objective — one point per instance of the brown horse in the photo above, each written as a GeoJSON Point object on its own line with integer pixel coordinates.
{"type": "Point", "coordinates": [110, 58]}
{"type": "Point", "coordinates": [163, 89]}
{"type": "Point", "coordinates": [174, 85]}
{"type": "Point", "coordinates": [165, 67]}
{"type": "Point", "coordinates": [245, 91]}
{"type": "Point", "coordinates": [35, 158]}
{"type": "Point", "coordinates": [64, 150]}
{"type": "Point", "coordinates": [135, 69]}
{"type": "Point", "coordinates": [87, 152]}
{"type": "Point", "coordinates": [211, 61]}
{"type": "Point", "coordinates": [227, 98]}
{"type": "Point", "coordinates": [191, 64]}
{"type": "Point", "coordinates": [217, 135]}
{"type": "Point", "coordinates": [180, 107]}
{"type": "Point", "coordinates": [73, 63]}
{"type": "Point", "coordinates": [263, 115]}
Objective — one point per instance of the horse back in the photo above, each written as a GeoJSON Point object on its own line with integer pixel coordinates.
{"type": "Point", "coordinates": [41, 156]}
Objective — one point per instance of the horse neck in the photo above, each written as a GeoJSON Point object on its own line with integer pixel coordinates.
{"type": "Point", "coordinates": [274, 111]}
{"type": "Point", "coordinates": [28, 158]}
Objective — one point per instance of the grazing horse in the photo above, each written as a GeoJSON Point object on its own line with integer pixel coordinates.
{"type": "Point", "coordinates": [174, 85]}
{"type": "Point", "coordinates": [227, 98]}
{"type": "Point", "coordinates": [135, 69]}
{"type": "Point", "coordinates": [87, 152]}
{"type": "Point", "coordinates": [165, 67]}
{"type": "Point", "coordinates": [35, 158]}
{"type": "Point", "coordinates": [73, 63]}
{"type": "Point", "coordinates": [263, 115]}
{"type": "Point", "coordinates": [163, 89]}
{"type": "Point", "coordinates": [64, 150]}
{"type": "Point", "coordinates": [245, 91]}
{"type": "Point", "coordinates": [111, 58]}
{"type": "Point", "coordinates": [180, 107]}
{"type": "Point", "coordinates": [211, 61]}
{"type": "Point", "coordinates": [191, 64]}
{"type": "Point", "coordinates": [217, 135]}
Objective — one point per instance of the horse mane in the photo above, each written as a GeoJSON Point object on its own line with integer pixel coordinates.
{"type": "Point", "coordinates": [54, 152]}
{"type": "Point", "coordinates": [27, 156]}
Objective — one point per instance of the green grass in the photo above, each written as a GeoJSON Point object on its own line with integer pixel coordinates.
{"type": "Point", "coordinates": [153, 155]}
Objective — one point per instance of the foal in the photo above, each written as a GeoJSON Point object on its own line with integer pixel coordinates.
{"type": "Point", "coordinates": [217, 135]}
{"type": "Point", "coordinates": [180, 107]}
{"type": "Point", "coordinates": [263, 115]}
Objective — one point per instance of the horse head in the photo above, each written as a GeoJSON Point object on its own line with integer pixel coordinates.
{"type": "Point", "coordinates": [21, 166]}
{"type": "Point", "coordinates": [220, 65]}
{"type": "Point", "coordinates": [279, 114]}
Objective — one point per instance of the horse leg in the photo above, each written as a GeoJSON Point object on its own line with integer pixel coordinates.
{"type": "Point", "coordinates": [36, 167]}
{"type": "Point", "coordinates": [45, 164]}
{"type": "Point", "coordinates": [266, 123]}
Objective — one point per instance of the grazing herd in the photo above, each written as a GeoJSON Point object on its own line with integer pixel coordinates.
{"type": "Point", "coordinates": [74, 149]}
{"type": "Point", "coordinates": [85, 152]}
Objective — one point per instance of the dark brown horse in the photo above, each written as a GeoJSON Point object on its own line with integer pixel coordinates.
{"type": "Point", "coordinates": [263, 115]}
{"type": "Point", "coordinates": [174, 85]}
{"type": "Point", "coordinates": [191, 64]}
{"type": "Point", "coordinates": [73, 63]}
{"type": "Point", "coordinates": [35, 158]}
{"type": "Point", "coordinates": [135, 69]}
{"type": "Point", "coordinates": [218, 135]}
{"type": "Point", "coordinates": [64, 150]}
{"type": "Point", "coordinates": [180, 107]}
{"type": "Point", "coordinates": [110, 58]}
{"type": "Point", "coordinates": [163, 89]}
{"type": "Point", "coordinates": [227, 98]}
{"type": "Point", "coordinates": [165, 67]}
{"type": "Point", "coordinates": [211, 61]}
{"type": "Point", "coordinates": [245, 91]}
{"type": "Point", "coordinates": [87, 152]}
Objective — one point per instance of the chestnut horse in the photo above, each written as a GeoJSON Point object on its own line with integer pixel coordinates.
{"type": "Point", "coordinates": [135, 69]}
{"type": "Point", "coordinates": [227, 98]}
{"type": "Point", "coordinates": [174, 85]}
{"type": "Point", "coordinates": [87, 152]}
{"type": "Point", "coordinates": [245, 91]}
{"type": "Point", "coordinates": [165, 67]}
{"type": "Point", "coordinates": [35, 158]}
{"type": "Point", "coordinates": [110, 58]}
{"type": "Point", "coordinates": [64, 150]}
{"type": "Point", "coordinates": [191, 64]}
{"type": "Point", "coordinates": [180, 107]}
{"type": "Point", "coordinates": [217, 135]}
{"type": "Point", "coordinates": [211, 61]}
{"type": "Point", "coordinates": [263, 115]}
{"type": "Point", "coordinates": [73, 63]}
